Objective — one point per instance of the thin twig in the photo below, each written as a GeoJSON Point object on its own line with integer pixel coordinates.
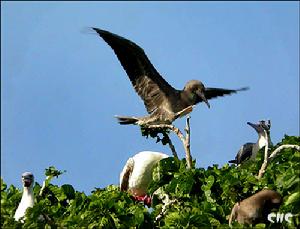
{"type": "Point", "coordinates": [172, 147]}
{"type": "Point", "coordinates": [184, 139]}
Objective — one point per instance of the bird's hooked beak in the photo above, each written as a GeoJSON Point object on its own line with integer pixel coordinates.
{"type": "Point", "coordinates": [202, 96]}
{"type": "Point", "coordinates": [27, 181]}
{"type": "Point", "coordinates": [255, 126]}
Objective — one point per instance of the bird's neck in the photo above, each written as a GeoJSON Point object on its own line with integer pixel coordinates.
{"type": "Point", "coordinates": [263, 140]}
{"type": "Point", "coordinates": [28, 196]}
{"type": "Point", "coordinates": [189, 98]}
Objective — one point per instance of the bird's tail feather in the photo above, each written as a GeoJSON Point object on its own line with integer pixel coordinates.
{"type": "Point", "coordinates": [126, 120]}
{"type": "Point", "coordinates": [233, 161]}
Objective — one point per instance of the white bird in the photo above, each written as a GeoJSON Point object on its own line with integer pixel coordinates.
{"type": "Point", "coordinates": [137, 173]}
{"type": "Point", "coordinates": [27, 196]}
{"type": "Point", "coordinates": [250, 150]}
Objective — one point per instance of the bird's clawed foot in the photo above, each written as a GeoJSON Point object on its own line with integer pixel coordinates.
{"type": "Point", "coordinates": [185, 111]}
{"type": "Point", "coordinates": [145, 199]}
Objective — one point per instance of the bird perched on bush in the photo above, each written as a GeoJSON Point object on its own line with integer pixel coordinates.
{"type": "Point", "coordinates": [137, 174]}
{"type": "Point", "coordinates": [27, 196]}
{"type": "Point", "coordinates": [163, 102]}
{"type": "Point", "coordinates": [250, 150]}
{"type": "Point", "coordinates": [255, 208]}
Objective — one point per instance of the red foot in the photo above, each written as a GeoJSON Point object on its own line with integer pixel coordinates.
{"type": "Point", "coordinates": [146, 199]}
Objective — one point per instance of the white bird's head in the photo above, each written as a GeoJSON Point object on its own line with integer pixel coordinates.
{"type": "Point", "coordinates": [27, 179]}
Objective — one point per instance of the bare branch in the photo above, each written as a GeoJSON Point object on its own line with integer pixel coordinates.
{"type": "Point", "coordinates": [276, 151]}
{"type": "Point", "coordinates": [45, 183]}
{"type": "Point", "coordinates": [186, 144]}
{"type": "Point", "coordinates": [171, 127]}
{"type": "Point", "coordinates": [184, 139]}
{"type": "Point", "coordinates": [274, 154]}
{"type": "Point", "coordinates": [166, 204]}
{"type": "Point", "coordinates": [175, 130]}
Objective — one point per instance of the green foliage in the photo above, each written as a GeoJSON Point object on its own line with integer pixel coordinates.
{"type": "Point", "coordinates": [161, 134]}
{"type": "Point", "coordinates": [200, 198]}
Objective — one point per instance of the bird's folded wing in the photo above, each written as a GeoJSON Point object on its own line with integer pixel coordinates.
{"type": "Point", "coordinates": [215, 92]}
{"type": "Point", "coordinates": [125, 174]}
{"type": "Point", "coordinates": [147, 82]}
{"type": "Point", "coordinates": [244, 153]}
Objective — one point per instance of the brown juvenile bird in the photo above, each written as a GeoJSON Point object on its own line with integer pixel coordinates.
{"type": "Point", "coordinates": [163, 102]}
{"type": "Point", "coordinates": [255, 208]}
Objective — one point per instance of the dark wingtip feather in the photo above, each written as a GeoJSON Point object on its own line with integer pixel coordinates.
{"type": "Point", "coordinates": [243, 89]}
{"type": "Point", "coordinates": [88, 30]}
{"type": "Point", "coordinates": [98, 30]}
{"type": "Point", "coordinates": [103, 32]}
{"type": "Point", "coordinates": [94, 30]}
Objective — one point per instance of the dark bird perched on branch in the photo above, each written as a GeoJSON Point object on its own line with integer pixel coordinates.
{"type": "Point", "coordinates": [163, 102]}
{"type": "Point", "coordinates": [250, 150]}
{"type": "Point", "coordinates": [255, 208]}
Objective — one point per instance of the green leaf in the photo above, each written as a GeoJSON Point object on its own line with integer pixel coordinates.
{"type": "Point", "coordinates": [260, 225]}
{"type": "Point", "coordinates": [293, 198]}
{"type": "Point", "coordinates": [53, 172]}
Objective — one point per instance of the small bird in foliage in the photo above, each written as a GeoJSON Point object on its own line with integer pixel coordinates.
{"type": "Point", "coordinates": [163, 102]}
{"type": "Point", "coordinates": [137, 174]}
{"type": "Point", "coordinates": [250, 150]}
{"type": "Point", "coordinates": [255, 209]}
{"type": "Point", "coordinates": [27, 196]}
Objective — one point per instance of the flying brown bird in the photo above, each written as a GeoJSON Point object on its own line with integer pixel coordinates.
{"type": "Point", "coordinates": [163, 102]}
{"type": "Point", "coordinates": [255, 208]}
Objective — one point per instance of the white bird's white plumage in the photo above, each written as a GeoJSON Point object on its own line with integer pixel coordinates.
{"type": "Point", "coordinates": [137, 172]}
{"type": "Point", "coordinates": [27, 196]}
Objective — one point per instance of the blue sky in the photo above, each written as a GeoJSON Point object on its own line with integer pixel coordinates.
{"type": "Point", "coordinates": [61, 86]}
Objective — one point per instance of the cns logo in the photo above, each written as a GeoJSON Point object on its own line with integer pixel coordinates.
{"type": "Point", "coordinates": [279, 217]}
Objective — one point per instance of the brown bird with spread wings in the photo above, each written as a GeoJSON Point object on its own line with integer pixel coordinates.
{"type": "Point", "coordinates": [163, 102]}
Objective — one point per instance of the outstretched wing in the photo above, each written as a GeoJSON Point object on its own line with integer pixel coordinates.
{"type": "Point", "coordinates": [211, 93]}
{"type": "Point", "coordinates": [147, 82]}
